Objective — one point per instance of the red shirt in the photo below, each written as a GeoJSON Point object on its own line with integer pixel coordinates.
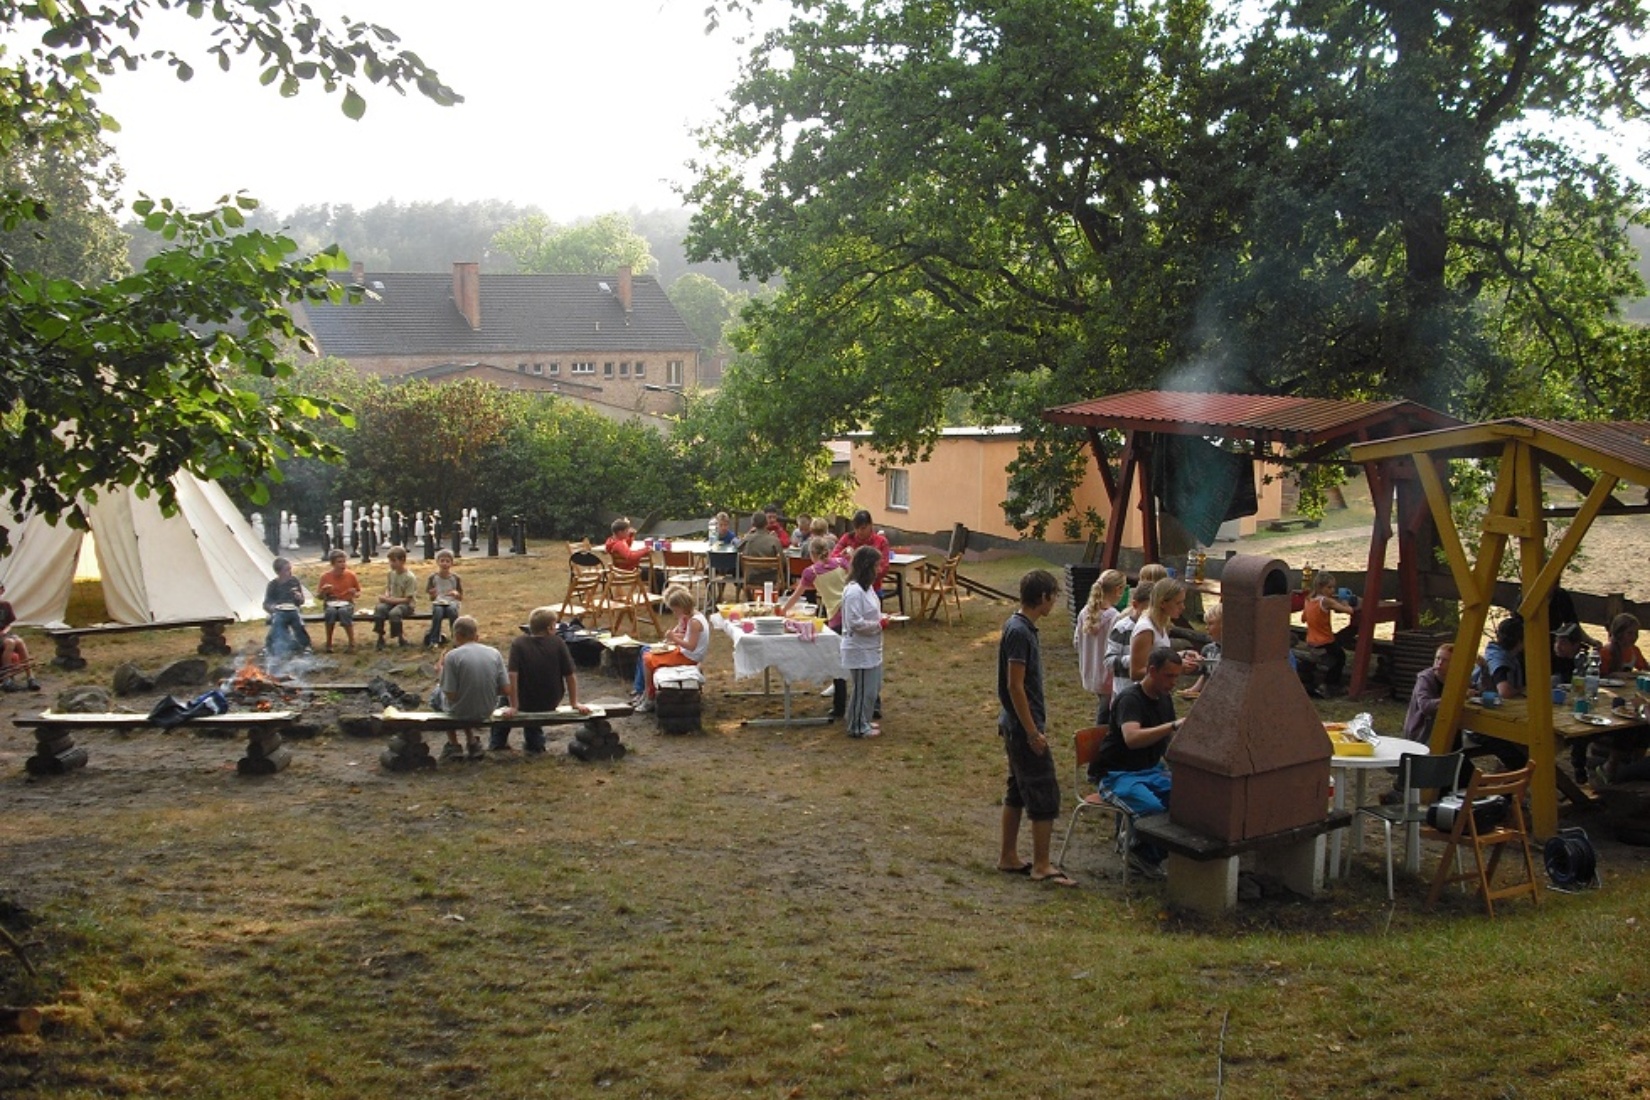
{"type": "Point", "coordinates": [847, 544]}
{"type": "Point", "coordinates": [618, 548]}
{"type": "Point", "coordinates": [780, 533]}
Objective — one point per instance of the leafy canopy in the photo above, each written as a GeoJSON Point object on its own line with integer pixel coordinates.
{"type": "Point", "coordinates": [116, 378]}
{"type": "Point", "coordinates": [1034, 201]}
{"type": "Point", "coordinates": [599, 246]}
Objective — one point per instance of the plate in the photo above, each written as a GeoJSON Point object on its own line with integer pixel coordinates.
{"type": "Point", "coordinates": [1592, 719]}
{"type": "Point", "coordinates": [1612, 683]}
{"type": "Point", "coordinates": [286, 607]}
{"type": "Point", "coordinates": [443, 602]}
{"type": "Point", "coordinates": [340, 603]}
{"type": "Point", "coordinates": [661, 647]}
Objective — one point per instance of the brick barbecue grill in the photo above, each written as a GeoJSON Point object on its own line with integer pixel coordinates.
{"type": "Point", "coordinates": [1251, 759]}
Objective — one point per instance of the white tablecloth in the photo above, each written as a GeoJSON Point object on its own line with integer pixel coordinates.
{"type": "Point", "coordinates": [787, 654]}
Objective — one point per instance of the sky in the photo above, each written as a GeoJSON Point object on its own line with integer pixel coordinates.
{"type": "Point", "coordinates": [576, 108]}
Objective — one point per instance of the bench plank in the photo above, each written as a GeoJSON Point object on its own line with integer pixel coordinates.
{"type": "Point", "coordinates": [1195, 845]}
{"type": "Point", "coordinates": [125, 720]}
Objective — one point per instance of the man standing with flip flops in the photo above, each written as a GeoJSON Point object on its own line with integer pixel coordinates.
{"type": "Point", "coordinates": [1033, 788]}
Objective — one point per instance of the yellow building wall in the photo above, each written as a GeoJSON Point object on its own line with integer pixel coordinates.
{"type": "Point", "coordinates": [965, 481]}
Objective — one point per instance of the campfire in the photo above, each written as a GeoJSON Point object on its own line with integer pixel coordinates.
{"type": "Point", "coordinates": [252, 683]}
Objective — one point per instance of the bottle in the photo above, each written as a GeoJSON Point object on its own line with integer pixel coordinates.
{"type": "Point", "coordinates": [710, 532]}
{"type": "Point", "coordinates": [1202, 564]}
{"type": "Point", "coordinates": [1590, 685]}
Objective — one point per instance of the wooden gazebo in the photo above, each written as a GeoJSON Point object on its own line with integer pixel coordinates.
{"type": "Point", "coordinates": [1595, 457]}
{"type": "Point", "coordinates": [1282, 431]}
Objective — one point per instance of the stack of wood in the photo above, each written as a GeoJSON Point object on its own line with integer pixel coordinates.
{"type": "Point", "coordinates": [406, 752]}
{"type": "Point", "coordinates": [596, 740]}
{"type": "Point", "coordinates": [55, 752]}
{"type": "Point", "coordinates": [679, 702]}
{"type": "Point", "coordinates": [265, 754]}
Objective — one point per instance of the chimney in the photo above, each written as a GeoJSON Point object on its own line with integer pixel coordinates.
{"type": "Point", "coordinates": [1252, 758]}
{"type": "Point", "coordinates": [467, 292]}
{"type": "Point", "coordinates": [358, 273]}
{"type": "Point", "coordinates": [624, 288]}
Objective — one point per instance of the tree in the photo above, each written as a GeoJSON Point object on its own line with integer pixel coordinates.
{"type": "Point", "coordinates": [79, 183]}
{"type": "Point", "coordinates": [706, 306]}
{"type": "Point", "coordinates": [421, 445]}
{"type": "Point", "coordinates": [596, 247]}
{"type": "Point", "coordinates": [129, 380]}
{"type": "Point", "coordinates": [1036, 201]}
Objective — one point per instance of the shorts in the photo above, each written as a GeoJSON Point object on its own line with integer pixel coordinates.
{"type": "Point", "coordinates": [1032, 783]}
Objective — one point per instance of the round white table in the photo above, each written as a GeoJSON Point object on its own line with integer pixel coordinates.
{"type": "Point", "coordinates": [1384, 758]}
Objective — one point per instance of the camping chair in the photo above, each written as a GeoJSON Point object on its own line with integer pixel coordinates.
{"type": "Point", "coordinates": [586, 579]}
{"type": "Point", "coordinates": [1087, 745]}
{"type": "Point", "coordinates": [626, 596]}
{"type": "Point", "coordinates": [1466, 833]}
{"type": "Point", "coordinates": [1416, 773]}
{"type": "Point", "coordinates": [933, 585]}
{"type": "Point", "coordinates": [757, 570]}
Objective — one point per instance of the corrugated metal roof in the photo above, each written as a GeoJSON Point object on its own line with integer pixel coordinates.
{"type": "Point", "coordinates": [1627, 440]}
{"type": "Point", "coordinates": [1268, 418]}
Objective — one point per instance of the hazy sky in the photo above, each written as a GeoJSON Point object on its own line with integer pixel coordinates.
{"type": "Point", "coordinates": [577, 108]}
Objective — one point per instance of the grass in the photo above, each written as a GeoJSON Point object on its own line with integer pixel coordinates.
{"type": "Point", "coordinates": [745, 913]}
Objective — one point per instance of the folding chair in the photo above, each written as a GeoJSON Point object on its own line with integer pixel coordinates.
{"type": "Point", "coordinates": [936, 583]}
{"type": "Point", "coordinates": [1416, 773]}
{"type": "Point", "coordinates": [758, 570]}
{"type": "Point", "coordinates": [1086, 742]}
{"type": "Point", "coordinates": [586, 579]}
{"type": "Point", "coordinates": [1466, 833]}
{"type": "Point", "coordinates": [627, 597]}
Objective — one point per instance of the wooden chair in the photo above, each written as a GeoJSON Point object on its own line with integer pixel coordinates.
{"type": "Point", "coordinates": [1465, 834]}
{"type": "Point", "coordinates": [936, 583]}
{"type": "Point", "coordinates": [721, 570]}
{"type": "Point", "coordinates": [1087, 745]}
{"type": "Point", "coordinates": [586, 584]}
{"type": "Point", "coordinates": [756, 570]}
{"type": "Point", "coordinates": [627, 597]}
{"type": "Point", "coordinates": [795, 565]}
{"type": "Point", "coordinates": [688, 570]}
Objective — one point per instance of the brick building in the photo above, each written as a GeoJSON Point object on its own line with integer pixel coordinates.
{"type": "Point", "coordinates": [614, 342]}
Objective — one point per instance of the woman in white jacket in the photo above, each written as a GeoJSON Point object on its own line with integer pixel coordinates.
{"type": "Point", "coordinates": [862, 624]}
{"type": "Point", "coordinates": [1089, 637]}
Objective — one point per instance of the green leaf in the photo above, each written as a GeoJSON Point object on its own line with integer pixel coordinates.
{"type": "Point", "coordinates": [354, 105]}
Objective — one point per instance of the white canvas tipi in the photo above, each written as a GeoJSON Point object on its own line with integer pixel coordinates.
{"type": "Point", "coordinates": [203, 561]}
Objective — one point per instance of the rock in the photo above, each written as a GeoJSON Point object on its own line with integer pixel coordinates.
{"type": "Point", "coordinates": [189, 672]}
{"type": "Point", "coordinates": [83, 700]}
{"type": "Point", "coordinates": [129, 679]}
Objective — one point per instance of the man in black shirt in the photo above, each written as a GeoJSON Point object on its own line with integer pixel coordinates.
{"type": "Point", "coordinates": [539, 665]}
{"type": "Point", "coordinates": [1033, 789]}
{"type": "Point", "coordinates": [1131, 756]}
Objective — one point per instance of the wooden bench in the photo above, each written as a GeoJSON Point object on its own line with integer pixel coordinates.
{"type": "Point", "coordinates": [1203, 870]}
{"type": "Point", "coordinates": [67, 638]}
{"type": "Point", "coordinates": [56, 753]}
{"type": "Point", "coordinates": [408, 752]}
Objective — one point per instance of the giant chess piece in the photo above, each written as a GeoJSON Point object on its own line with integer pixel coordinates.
{"type": "Point", "coordinates": [257, 521]}
{"type": "Point", "coordinates": [292, 531]}
{"type": "Point", "coordinates": [492, 537]}
{"type": "Point", "coordinates": [326, 537]}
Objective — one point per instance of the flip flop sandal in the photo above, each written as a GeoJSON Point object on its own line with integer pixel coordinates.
{"type": "Point", "coordinates": [1058, 878]}
{"type": "Point", "coordinates": [1022, 869]}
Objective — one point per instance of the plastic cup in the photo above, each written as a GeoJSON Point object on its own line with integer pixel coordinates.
{"type": "Point", "coordinates": [1560, 695]}
{"type": "Point", "coordinates": [1583, 706]}
{"type": "Point", "coordinates": [1491, 699]}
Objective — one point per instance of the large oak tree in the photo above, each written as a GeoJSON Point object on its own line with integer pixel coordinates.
{"type": "Point", "coordinates": [1034, 201]}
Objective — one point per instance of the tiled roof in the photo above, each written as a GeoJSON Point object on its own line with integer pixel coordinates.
{"type": "Point", "coordinates": [1270, 418]}
{"type": "Point", "coordinates": [414, 314]}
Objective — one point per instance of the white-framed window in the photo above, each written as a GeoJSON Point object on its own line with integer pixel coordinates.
{"type": "Point", "coordinates": [899, 490]}
{"type": "Point", "coordinates": [624, 368]}
{"type": "Point", "coordinates": [641, 369]}
{"type": "Point", "coordinates": [521, 368]}
{"type": "Point", "coordinates": [584, 366]}
{"type": "Point", "coordinates": [673, 372]}
{"type": "Point", "coordinates": [538, 368]}
{"type": "Point", "coordinates": [555, 367]}
{"type": "Point", "coordinates": [607, 369]}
